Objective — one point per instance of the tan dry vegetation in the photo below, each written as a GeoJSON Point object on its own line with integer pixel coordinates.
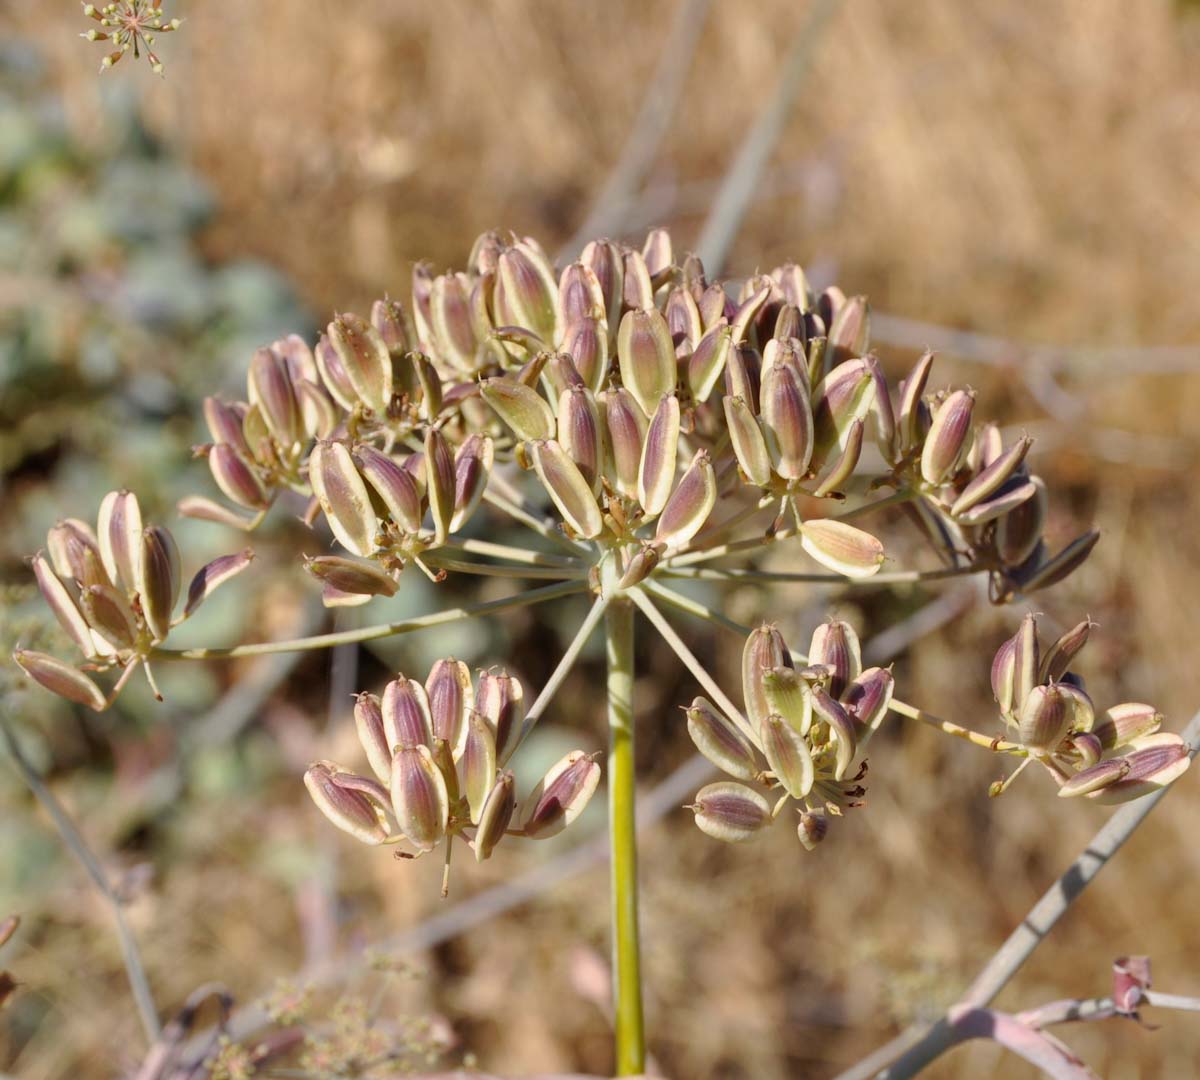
{"type": "Point", "coordinates": [1029, 169]}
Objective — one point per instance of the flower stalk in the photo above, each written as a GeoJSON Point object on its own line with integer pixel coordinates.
{"type": "Point", "coordinates": [627, 978]}
{"type": "Point", "coordinates": [380, 630]}
{"type": "Point", "coordinates": [976, 738]}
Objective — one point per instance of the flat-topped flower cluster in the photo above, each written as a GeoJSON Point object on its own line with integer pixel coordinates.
{"type": "Point", "coordinates": [609, 408]}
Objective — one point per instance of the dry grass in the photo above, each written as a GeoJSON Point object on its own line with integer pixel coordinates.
{"type": "Point", "coordinates": [1029, 169]}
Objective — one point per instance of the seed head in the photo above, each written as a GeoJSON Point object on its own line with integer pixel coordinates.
{"type": "Point", "coordinates": [495, 816]}
{"type": "Point", "coordinates": [719, 741]}
{"type": "Point", "coordinates": [419, 797]}
{"type": "Point", "coordinates": [343, 496]}
{"type": "Point", "coordinates": [451, 699]}
{"type": "Point", "coordinates": [500, 700]}
{"type": "Point", "coordinates": [561, 795]}
{"type": "Point", "coordinates": [730, 812]}
{"type": "Point", "coordinates": [393, 484]}
{"type": "Point", "coordinates": [160, 581]}
{"type": "Point", "coordinates": [842, 548]}
{"type": "Point", "coordinates": [406, 716]}
{"type": "Point", "coordinates": [473, 463]}
{"type": "Point", "coordinates": [947, 439]}
{"type": "Point", "coordinates": [270, 389]}
{"type": "Point", "coordinates": [836, 644]}
{"type": "Point", "coordinates": [707, 362]}
{"type": "Point", "coordinates": [1155, 762]}
{"type": "Point", "coordinates": [477, 764]}
{"type": "Point", "coordinates": [690, 504]}
{"type": "Point", "coordinates": [746, 438]}
{"type": "Point", "coordinates": [586, 343]}
{"type": "Point", "coordinates": [60, 678]}
{"type": "Point", "coordinates": [814, 824]}
{"type": "Point", "coordinates": [788, 755]}
{"type": "Point", "coordinates": [353, 804]}
{"type": "Point", "coordinates": [526, 291]}
{"type": "Point", "coordinates": [646, 356]}
{"type": "Point", "coordinates": [368, 722]}
{"type": "Point", "coordinates": [567, 488]}
{"type": "Point", "coordinates": [763, 652]}
{"type": "Point", "coordinates": [364, 359]}
{"type": "Point", "coordinates": [1044, 717]}
{"type": "Point", "coordinates": [992, 478]}
{"type": "Point", "coordinates": [656, 471]}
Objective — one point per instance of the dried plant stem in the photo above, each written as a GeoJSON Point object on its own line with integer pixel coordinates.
{"type": "Point", "coordinates": [622, 830]}
{"type": "Point", "coordinates": [976, 738]}
{"type": "Point", "coordinates": [380, 630]}
{"type": "Point", "coordinates": [73, 839]}
{"type": "Point", "coordinates": [971, 345]}
{"type": "Point", "coordinates": [668, 634]}
{"type": "Point", "coordinates": [915, 1048]}
{"type": "Point", "coordinates": [653, 121]}
{"type": "Point", "coordinates": [741, 179]}
{"type": "Point", "coordinates": [1072, 1010]}
{"type": "Point", "coordinates": [1067, 1011]}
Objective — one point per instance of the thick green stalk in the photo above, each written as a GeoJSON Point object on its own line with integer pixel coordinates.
{"type": "Point", "coordinates": [627, 979]}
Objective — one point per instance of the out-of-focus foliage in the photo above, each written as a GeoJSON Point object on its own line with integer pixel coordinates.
{"type": "Point", "coordinates": [113, 324]}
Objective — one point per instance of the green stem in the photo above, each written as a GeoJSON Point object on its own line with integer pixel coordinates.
{"type": "Point", "coordinates": [719, 551]}
{"type": "Point", "coordinates": [703, 539]}
{"type": "Point", "coordinates": [701, 611]}
{"type": "Point", "coordinates": [701, 543]}
{"type": "Point", "coordinates": [560, 673]}
{"type": "Point", "coordinates": [382, 630]}
{"type": "Point", "coordinates": [544, 527]}
{"type": "Point", "coordinates": [902, 496]}
{"type": "Point", "coordinates": [692, 607]}
{"type": "Point", "coordinates": [976, 738]}
{"type": "Point", "coordinates": [627, 980]}
{"type": "Point", "coordinates": [508, 551]}
{"type": "Point", "coordinates": [506, 570]}
{"type": "Point", "coordinates": [73, 838]}
{"type": "Point", "coordinates": [896, 577]}
{"type": "Point", "coordinates": [668, 634]}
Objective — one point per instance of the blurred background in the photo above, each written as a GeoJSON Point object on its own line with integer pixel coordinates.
{"type": "Point", "coordinates": [1028, 172]}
